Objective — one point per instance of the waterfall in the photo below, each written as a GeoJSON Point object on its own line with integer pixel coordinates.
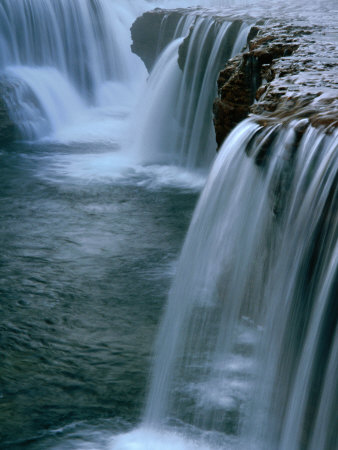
{"type": "Point", "coordinates": [210, 46]}
{"type": "Point", "coordinates": [61, 60]}
{"type": "Point", "coordinates": [56, 56]}
{"type": "Point", "coordinates": [247, 350]}
{"type": "Point", "coordinates": [36, 104]}
{"type": "Point", "coordinates": [176, 125]}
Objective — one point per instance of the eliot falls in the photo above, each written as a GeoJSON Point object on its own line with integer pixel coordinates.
{"type": "Point", "coordinates": [169, 225]}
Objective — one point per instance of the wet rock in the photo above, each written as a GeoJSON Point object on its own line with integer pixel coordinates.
{"type": "Point", "coordinates": [8, 129]}
{"type": "Point", "coordinates": [287, 73]}
{"type": "Point", "coordinates": [245, 78]}
{"type": "Point", "coordinates": [153, 31]}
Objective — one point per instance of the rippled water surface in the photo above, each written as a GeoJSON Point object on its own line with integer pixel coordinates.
{"type": "Point", "coordinates": [87, 254]}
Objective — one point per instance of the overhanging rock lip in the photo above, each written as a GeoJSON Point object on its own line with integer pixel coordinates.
{"type": "Point", "coordinates": [145, 31]}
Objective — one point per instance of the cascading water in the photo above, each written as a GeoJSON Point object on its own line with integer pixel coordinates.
{"type": "Point", "coordinates": [35, 101]}
{"type": "Point", "coordinates": [247, 353]}
{"type": "Point", "coordinates": [210, 46]}
{"type": "Point", "coordinates": [176, 125]}
{"type": "Point", "coordinates": [247, 350]}
{"type": "Point", "coordinates": [59, 58]}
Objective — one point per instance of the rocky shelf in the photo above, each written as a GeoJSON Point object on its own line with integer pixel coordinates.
{"type": "Point", "coordinates": [288, 72]}
{"type": "Point", "coordinates": [155, 29]}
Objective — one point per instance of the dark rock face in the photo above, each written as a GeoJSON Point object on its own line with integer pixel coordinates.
{"type": "Point", "coordinates": [279, 79]}
{"type": "Point", "coordinates": [153, 31]}
{"type": "Point", "coordinates": [241, 80]}
{"type": "Point", "coordinates": [8, 131]}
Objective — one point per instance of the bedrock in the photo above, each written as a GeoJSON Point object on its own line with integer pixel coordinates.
{"type": "Point", "coordinates": [288, 72]}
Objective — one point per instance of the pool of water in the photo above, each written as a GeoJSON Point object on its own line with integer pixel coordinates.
{"type": "Point", "coordinates": [88, 248]}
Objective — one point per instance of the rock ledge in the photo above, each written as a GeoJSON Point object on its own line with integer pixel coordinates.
{"type": "Point", "coordinates": [289, 72]}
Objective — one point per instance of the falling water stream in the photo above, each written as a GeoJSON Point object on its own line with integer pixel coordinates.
{"type": "Point", "coordinates": [248, 339]}
{"type": "Point", "coordinates": [97, 191]}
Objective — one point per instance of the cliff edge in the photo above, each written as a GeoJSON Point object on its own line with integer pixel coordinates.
{"type": "Point", "coordinates": [288, 72]}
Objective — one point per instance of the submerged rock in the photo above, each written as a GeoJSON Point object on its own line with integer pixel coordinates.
{"type": "Point", "coordinates": [8, 130]}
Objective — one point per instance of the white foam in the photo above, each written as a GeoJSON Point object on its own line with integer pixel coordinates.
{"type": "Point", "coordinates": [95, 125]}
{"type": "Point", "coordinates": [105, 123]}
{"type": "Point", "coordinates": [171, 176]}
{"type": "Point", "coordinates": [150, 439]}
{"type": "Point", "coordinates": [119, 167]}
{"type": "Point", "coordinates": [144, 438]}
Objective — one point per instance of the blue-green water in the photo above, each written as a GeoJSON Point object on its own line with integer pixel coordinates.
{"type": "Point", "coordinates": [87, 255]}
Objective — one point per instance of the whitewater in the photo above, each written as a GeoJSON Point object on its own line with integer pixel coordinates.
{"type": "Point", "coordinates": [156, 293]}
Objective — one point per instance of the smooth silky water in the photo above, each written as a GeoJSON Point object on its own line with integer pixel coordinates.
{"type": "Point", "coordinates": [94, 208]}
{"type": "Point", "coordinates": [89, 237]}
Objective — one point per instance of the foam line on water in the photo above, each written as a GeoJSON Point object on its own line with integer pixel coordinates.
{"type": "Point", "coordinates": [119, 167]}
{"type": "Point", "coordinates": [148, 439]}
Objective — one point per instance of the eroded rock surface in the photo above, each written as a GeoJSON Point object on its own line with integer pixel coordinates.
{"type": "Point", "coordinates": [288, 72]}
